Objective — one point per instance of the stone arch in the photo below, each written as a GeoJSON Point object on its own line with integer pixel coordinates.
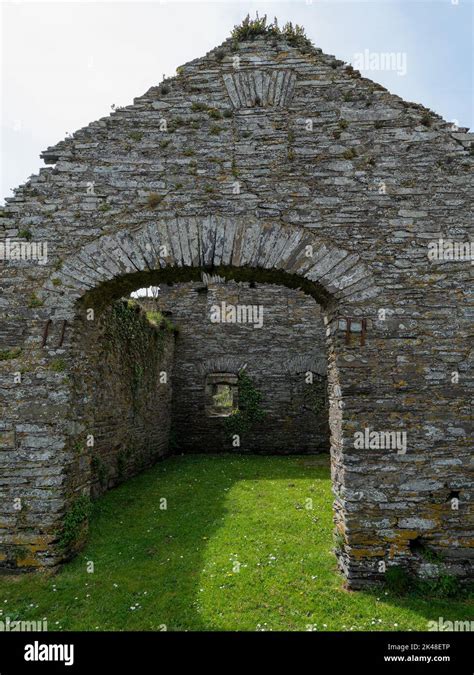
{"type": "Point", "coordinates": [182, 248]}
{"type": "Point", "coordinates": [214, 243]}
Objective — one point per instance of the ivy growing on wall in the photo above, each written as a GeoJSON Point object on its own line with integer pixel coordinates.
{"type": "Point", "coordinates": [99, 470]}
{"type": "Point", "coordinates": [74, 522]}
{"type": "Point", "coordinates": [249, 411]}
{"type": "Point", "coordinates": [139, 341]}
{"type": "Point", "coordinates": [315, 395]}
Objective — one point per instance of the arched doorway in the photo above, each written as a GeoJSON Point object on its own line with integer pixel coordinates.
{"type": "Point", "coordinates": [181, 250]}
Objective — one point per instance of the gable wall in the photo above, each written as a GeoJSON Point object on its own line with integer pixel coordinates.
{"type": "Point", "coordinates": [375, 176]}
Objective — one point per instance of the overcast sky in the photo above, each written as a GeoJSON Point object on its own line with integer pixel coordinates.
{"type": "Point", "coordinates": [65, 63]}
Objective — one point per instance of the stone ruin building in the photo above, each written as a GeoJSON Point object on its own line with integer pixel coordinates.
{"type": "Point", "coordinates": [265, 167]}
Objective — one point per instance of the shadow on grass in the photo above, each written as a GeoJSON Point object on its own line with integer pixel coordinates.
{"type": "Point", "coordinates": [165, 542]}
{"type": "Point", "coordinates": [152, 538]}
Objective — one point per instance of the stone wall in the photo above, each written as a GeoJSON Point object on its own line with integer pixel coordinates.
{"type": "Point", "coordinates": [281, 356]}
{"type": "Point", "coordinates": [124, 390]}
{"type": "Point", "coordinates": [121, 414]}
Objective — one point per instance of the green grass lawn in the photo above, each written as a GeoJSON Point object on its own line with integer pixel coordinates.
{"type": "Point", "coordinates": [236, 549]}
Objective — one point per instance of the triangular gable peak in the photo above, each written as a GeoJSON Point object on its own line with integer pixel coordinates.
{"type": "Point", "coordinates": [263, 74]}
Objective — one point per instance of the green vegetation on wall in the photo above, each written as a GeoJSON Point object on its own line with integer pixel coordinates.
{"type": "Point", "coordinates": [249, 29]}
{"type": "Point", "coordinates": [99, 470]}
{"type": "Point", "coordinates": [10, 354]}
{"type": "Point", "coordinates": [74, 522]}
{"type": "Point", "coordinates": [315, 395]}
{"type": "Point", "coordinates": [158, 319]}
{"type": "Point", "coordinates": [138, 341]}
{"type": "Point", "coordinates": [249, 410]}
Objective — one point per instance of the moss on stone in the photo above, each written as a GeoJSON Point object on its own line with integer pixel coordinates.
{"type": "Point", "coordinates": [58, 365]}
{"type": "Point", "coordinates": [154, 199]}
{"type": "Point", "coordinates": [25, 234]}
{"type": "Point", "coordinates": [34, 301]}
{"type": "Point", "coordinates": [10, 354]}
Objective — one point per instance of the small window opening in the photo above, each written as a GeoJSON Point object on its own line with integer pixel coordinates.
{"type": "Point", "coordinates": [221, 394]}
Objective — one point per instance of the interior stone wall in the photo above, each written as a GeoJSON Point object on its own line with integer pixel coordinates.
{"type": "Point", "coordinates": [281, 357]}
{"type": "Point", "coordinates": [122, 416]}
{"type": "Point", "coordinates": [123, 390]}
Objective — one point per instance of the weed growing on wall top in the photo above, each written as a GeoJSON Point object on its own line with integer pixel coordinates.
{"type": "Point", "coordinates": [158, 319]}
{"type": "Point", "coordinates": [249, 29]}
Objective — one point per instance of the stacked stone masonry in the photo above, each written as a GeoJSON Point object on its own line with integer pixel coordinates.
{"type": "Point", "coordinates": [330, 184]}
{"type": "Point", "coordinates": [119, 395]}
